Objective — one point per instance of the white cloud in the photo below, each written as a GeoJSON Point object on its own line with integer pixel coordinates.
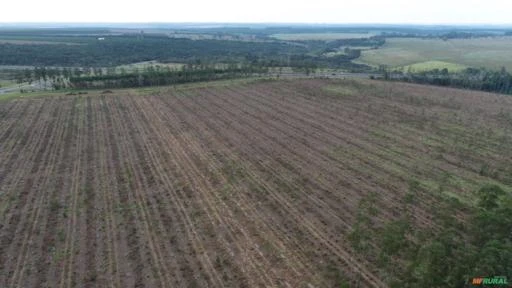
{"type": "Point", "coordinates": [319, 11]}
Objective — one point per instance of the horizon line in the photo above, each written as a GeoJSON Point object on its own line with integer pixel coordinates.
{"type": "Point", "coordinates": [254, 23]}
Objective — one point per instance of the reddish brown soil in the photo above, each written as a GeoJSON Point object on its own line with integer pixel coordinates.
{"type": "Point", "coordinates": [247, 185]}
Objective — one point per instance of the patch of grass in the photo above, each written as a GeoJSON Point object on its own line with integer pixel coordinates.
{"type": "Point", "coordinates": [195, 85]}
{"type": "Point", "coordinates": [332, 54]}
{"type": "Point", "coordinates": [59, 255]}
{"type": "Point", "coordinates": [334, 274]}
{"type": "Point", "coordinates": [61, 235]}
{"type": "Point", "coordinates": [125, 208]}
{"type": "Point", "coordinates": [55, 206]}
{"type": "Point", "coordinates": [30, 95]}
{"type": "Point", "coordinates": [7, 83]}
{"type": "Point", "coordinates": [226, 192]}
{"type": "Point", "coordinates": [431, 65]}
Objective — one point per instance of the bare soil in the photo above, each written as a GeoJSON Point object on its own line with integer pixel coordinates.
{"type": "Point", "coordinates": [237, 185]}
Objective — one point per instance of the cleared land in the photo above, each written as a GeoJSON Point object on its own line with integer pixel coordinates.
{"type": "Point", "coordinates": [491, 53]}
{"type": "Point", "coordinates": [240, 185]}
{"type": "Point", "coordinates": [320, 36]}
{"type": "Point", "coordinates": [431, 65]}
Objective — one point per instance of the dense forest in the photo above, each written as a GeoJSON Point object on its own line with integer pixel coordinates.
{"type": "Point", "coordinates": [118, 50]}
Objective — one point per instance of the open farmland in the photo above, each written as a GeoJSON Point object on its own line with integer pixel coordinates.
{"type": "Point", "coordinates": [239, 185]}
{"type": "Point", "coordinates": [489, 52]}
{"type": "Point", "coordinates": [320, 36]}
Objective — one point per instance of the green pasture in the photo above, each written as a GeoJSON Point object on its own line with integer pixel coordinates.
{"type": "Point", "coordinates": [490, 52]}
{"type": "Point", "coordinates": [431, 65]}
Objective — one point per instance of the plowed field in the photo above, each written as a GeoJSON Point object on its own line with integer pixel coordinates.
{"type": "Point", "coordinates": [240, 185]}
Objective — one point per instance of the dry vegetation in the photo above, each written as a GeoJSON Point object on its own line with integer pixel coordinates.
{"type": "Point", "coordinates": [242, 185]}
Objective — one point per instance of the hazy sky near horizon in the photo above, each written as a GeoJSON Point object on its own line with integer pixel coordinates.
{"type": "Point", "coordinates": [287, 11]}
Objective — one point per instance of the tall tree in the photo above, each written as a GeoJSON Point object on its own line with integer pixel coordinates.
{"type": "Point", "coordinates": [28, 75]}
{"type": "Point", "coordinates": [20, 78]}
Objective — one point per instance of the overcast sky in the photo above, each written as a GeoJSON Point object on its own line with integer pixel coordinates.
{"type": "Point", "coordinates": [288, 11]}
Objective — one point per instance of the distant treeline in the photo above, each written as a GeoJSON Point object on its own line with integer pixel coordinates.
{"type": "Point", "coordinates": [100, 78]}
{"type": "Point", "coordinates": [444, 35]}
{"type": "Point", "coordinates": [449, 32]}
{"type": "Point", "coordinates": [50, 32]}
{"type": "Point", "coordinates": [155, 77]}
{"type": "Point", "coordinates": [470, 78]}
{"type": "Point", "coordinates": [327, 46]}
{"type": "Point", "coordinates": [374, 41]}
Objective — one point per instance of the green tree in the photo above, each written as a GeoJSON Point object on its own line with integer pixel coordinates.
{"type": "Point", "coordinates": [495, 258]}
{"type": "Point", "coordinates": [489, 196]}
{"type": "Point", "coordinates": [393, 236]}
{"type": "Point", "coordinates": [430, 267]}
{"type": "Point", "coordinates": [44, 75]}
{"type": "Point", "coordinates": [28, 75]}
{"type": "Point", "coordinates": [20, 78]}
